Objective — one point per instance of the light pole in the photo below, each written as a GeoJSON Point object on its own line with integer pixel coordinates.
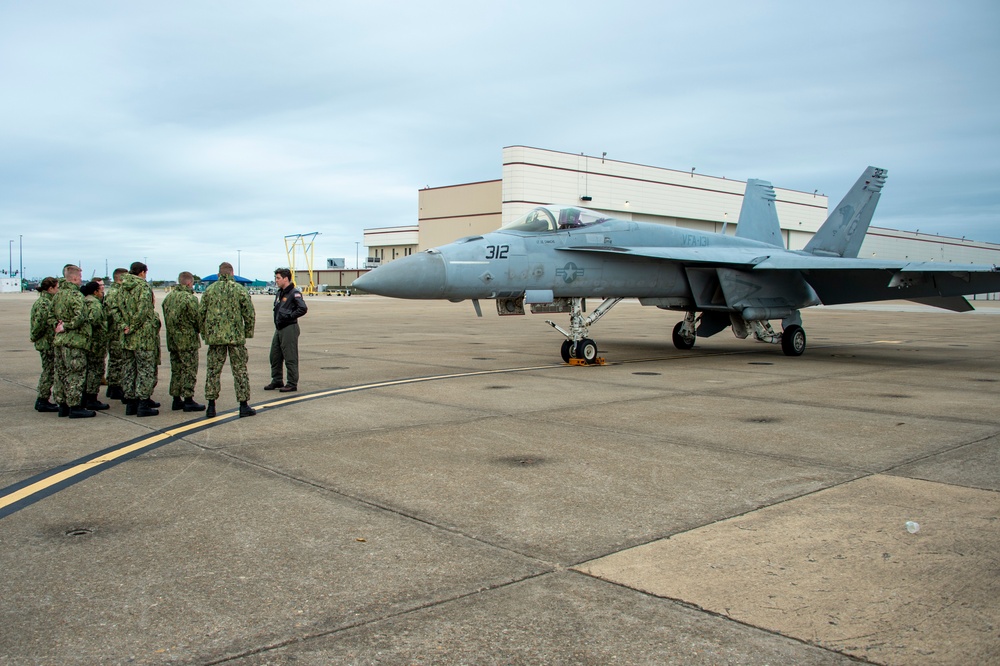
{"type": "Point", "coordinates": [357, 264]}
{"type": "Point", "coordinates": [20, 262]}
{"type": "Point", "coordinates": [10, 260]}
{"type": "Point", "coordinates": [239, 269]}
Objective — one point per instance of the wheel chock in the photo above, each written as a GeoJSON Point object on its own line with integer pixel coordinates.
{"type": "Point", "coordinates": [579, 361]}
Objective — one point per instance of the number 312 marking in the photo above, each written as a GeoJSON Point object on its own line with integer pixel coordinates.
{"type": "Point", "coordinates": [497, 251]}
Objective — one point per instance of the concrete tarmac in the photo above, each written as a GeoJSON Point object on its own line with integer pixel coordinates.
{"type": "Point", "coordinates": [443, 490]}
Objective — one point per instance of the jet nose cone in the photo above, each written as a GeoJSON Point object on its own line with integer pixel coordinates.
{"type": "Point", "coordinates": [417, 276]}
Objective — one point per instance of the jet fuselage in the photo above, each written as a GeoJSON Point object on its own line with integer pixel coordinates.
{"type": "Point", "coordinates": [509, 262]}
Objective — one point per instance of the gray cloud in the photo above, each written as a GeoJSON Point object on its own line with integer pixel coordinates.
{"type": "Point", "coordinates": [182, 133]}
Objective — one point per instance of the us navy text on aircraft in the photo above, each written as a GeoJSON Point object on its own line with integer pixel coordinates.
{"type": "Point", "coordinates": [555, 257]}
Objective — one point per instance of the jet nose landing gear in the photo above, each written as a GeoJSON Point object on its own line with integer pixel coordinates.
{"type": "Point", "coordinates": [583, 352]}
{"type": "Point", "coordinates": [578, 349]}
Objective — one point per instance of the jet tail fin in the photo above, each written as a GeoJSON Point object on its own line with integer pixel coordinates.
{"type": "Point", "coordinates": [844, 230]}
{"type": "Point", "coordinates": [758, 218]}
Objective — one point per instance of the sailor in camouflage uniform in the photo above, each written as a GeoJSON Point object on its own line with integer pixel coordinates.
{"type": "Point", "coordinates": [43, 329]}
{"type": "Point", "coordinates": [227, 320]}
{"type": "Point", "coordinates": [138, 323]}
{"type": "Point", "coordinates": [180, 315]}
{"type": "Point", "coordinates": [71, 341]}
{"type": "Point", "coordinates": [115, 337]}
{"type": "Point", "coordinates": [93, 296]}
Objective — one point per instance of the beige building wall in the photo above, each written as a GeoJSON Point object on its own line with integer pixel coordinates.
{"type": "Point", "coordinates": [338, 278]}
{"type": "Point", "coordinates": [533, 177]}
{"type": "Point", "coordinates": [883, 243]}
{"type": "Point", "coordinates": [448, 213]}
{"type": "Point", "coordinates": [388, 243]}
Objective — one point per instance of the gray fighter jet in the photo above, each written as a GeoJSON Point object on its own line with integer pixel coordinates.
{"type": "Point", "coordinates": [556, 256]}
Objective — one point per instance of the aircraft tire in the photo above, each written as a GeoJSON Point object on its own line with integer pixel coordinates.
{"type": "Point", "coordinates": [586, 349]}
{"type": "Point", "coordinates": [793, 340]}
{"type": "Point", "coordinates": [679, 340]}
{"type": "Point", "coordinates": [567, 350]}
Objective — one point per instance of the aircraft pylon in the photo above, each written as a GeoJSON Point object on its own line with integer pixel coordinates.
{"type": "Point", "coordinates": [307, 242]}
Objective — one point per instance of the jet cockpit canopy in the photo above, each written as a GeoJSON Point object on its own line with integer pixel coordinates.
{"type": "Point", "coordinates": [555, 218]}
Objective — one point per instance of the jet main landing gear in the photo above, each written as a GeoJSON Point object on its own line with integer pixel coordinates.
{"type": "Point", "coordinates": [793, 340]}
{"type": "Point", "coordinates": [685, 332]}
{"type": "Point", "coordinates": [792, 337]}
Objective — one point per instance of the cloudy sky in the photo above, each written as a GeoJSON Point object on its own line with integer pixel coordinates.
{"type": "Point", "coordinates": [188, 133]}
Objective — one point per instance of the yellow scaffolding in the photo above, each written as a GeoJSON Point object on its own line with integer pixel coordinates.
{"type": "Point", "coordinates": [307, 242]}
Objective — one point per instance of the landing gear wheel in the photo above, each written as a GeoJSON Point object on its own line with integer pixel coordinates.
{"type": "Point", "coordinates": [793, 340]}
{"type": "Point", "coordinates": [567, 350]}
{"type": "Point", "coordinates": [679, 340]}
{"type": "Point", "coordinates": [587, 350]}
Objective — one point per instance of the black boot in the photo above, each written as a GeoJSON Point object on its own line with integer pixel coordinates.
{"type": "Point", "coordinates": [63, 409]}
{"type": "Point", "coordinates": [146, 408]}
{"type": "Point", "coordinates": [115, 393]}
{"type": "Point", "coordinates": [80, 412]}
{"type": "Point", "coordinates": [131, 406]}
{"type": "Point", "coordinates": [211, 409]}
{"type": "Point", "coordinates": [246, 409]}
{"type": "Point", "coordinates": [90, 401]}
{"type": "Point", "coordinates": [45, 406]}
{"type": "Point", "coordinates": [152, 403]}
{"type": "Point", "coordinates": [190, 405]}
{"type": "Point", "coordinates": [177, 404]}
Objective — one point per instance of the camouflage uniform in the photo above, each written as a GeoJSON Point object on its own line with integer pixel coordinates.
{"type": "Point", "coordinates": [71, 345]}
{"type": "Point", "coordinates": [98, 343]}
{"type": "Point", "coordinates": [43, 329]}
{"type": "Point", "coordinates": [180, 314]}
{"type": "Point", "coordinates": [227, 320]}
{"type": "Point", "coordinates": [115, 336]}
{"type": "Point", "coordinates": [141, 344]}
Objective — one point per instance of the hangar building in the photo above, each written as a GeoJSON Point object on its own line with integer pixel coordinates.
{"type": "Point", "coordinates": [534, 176]}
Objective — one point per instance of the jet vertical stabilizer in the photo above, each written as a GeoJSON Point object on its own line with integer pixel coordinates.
{"type": "Point", "coordinates": [844, 231]}
{"type": "Point", "coordinates": [758, 218]}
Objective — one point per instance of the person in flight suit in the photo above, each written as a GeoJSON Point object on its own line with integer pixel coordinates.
{"type": "Point", "coordinates": [288, 307]}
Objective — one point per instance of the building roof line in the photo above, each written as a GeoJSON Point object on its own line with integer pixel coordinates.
{"type": "Point", "coordinates": [661, 182]}
{"type": "Point", "coordinates": [455, 217]}
{"type": "Point", "coordinates": [476, 182]}
{"type": "Point", "coordinates": [934, 238]}
{"type": "Point", "coordinates": [638, 164]}
{"type": "Point", "coordinates": [392, 230]}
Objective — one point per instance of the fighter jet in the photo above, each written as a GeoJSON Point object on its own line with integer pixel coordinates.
{"type": "Point", "coordinates": [555, 257]}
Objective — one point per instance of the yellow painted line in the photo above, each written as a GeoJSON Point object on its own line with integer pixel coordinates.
{"type": "Point", "coordinates": [69, 473]}
{"type": "Point", "coordinates": [82, 468]}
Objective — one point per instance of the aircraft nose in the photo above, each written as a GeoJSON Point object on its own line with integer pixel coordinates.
{"type": "Point", "coordinates": [417, 276]}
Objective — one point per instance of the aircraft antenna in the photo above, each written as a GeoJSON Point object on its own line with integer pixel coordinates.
{"type": "Point", "coordinates": [307, 242]}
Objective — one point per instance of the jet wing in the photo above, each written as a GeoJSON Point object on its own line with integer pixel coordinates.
{"type": "Point", "coordinates": [836, 280]}
{"type": "Point", "coordinates": [809, 262]}
{"type": "Point", "coordinates": [760, 259]}
{"type": "Point", "coordinates": [746, 257]}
